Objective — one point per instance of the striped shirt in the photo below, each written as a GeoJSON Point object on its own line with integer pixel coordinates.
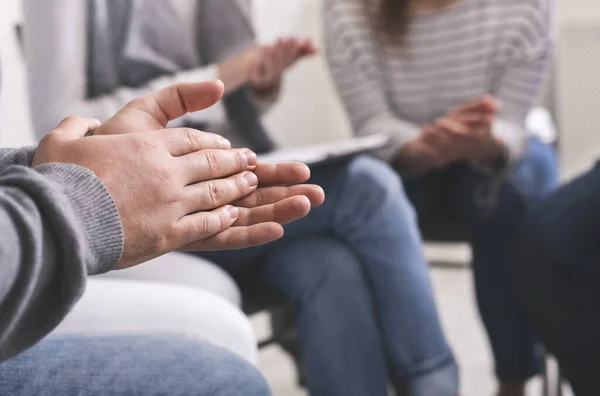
{"type": "Point", "coordinates": [450, 56]}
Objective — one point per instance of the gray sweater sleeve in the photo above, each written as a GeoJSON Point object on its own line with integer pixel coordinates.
{"type": "Point", "coordinates": [58, 224]}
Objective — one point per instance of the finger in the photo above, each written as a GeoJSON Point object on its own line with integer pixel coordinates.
{"type": "Point", "coordinates": [238, 238]}
{"type": "Point", "coordinates": [270, 195]}
{"type": "Point", "coordinates": [279, 57]}
{"type": "Point", "coordinates": [216, 193]}
{"type": "Point", "coordinates": [199, 226]}
{"type": "Point", "coordinates": [307, 47]}
{"type": "Point", "coordinates": [282, 212]}
{"type": "Point", "coordinates": [292, 53]}
{"type": "Point", "coordinates": [177, 100]}
{"type": "Point", "coordinates": [435, 146]}
{"type": "Point", "coordinates": [270, 174]}
{"type": "Point", "coordinates": [436, 139]}
{"type": "Point", "coordinates": [215, 164]}
{"type": "Point", "coordinates": [452, 125]}
{"type": "Point", "coordinates": [475, 117]}
{"type": "Point", "coordinates": [182, 141]}
{"type": "Point", "coordinates": [485, 104]}
{"type": "Point", "coordinates": [72, 128]}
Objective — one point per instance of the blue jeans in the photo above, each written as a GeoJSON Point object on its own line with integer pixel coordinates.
{"type": "Point", "coordinates": [557, 271]}
{"type": "Point", "coordinates": [355, 271]}
{"type": "Point", "coordinates": [490, 211]}
{"type": "Point", "coordinates": [128, 366]}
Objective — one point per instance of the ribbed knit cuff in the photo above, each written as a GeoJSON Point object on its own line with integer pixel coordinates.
{"type": "Point", "coordinates": [95, 210]}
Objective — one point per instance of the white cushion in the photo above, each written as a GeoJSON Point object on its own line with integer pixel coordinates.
{"type": "Point", "coordinates": [128, 307]}
{"type": "Point", "coordinates": [186, 270]}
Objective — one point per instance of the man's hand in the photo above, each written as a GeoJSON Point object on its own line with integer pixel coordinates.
{"type": "Point", "coordinates": [272, 61]}
{"type": "Point", "coordinates": [171, 187]}
{"type": "Point", "coordinates": [273, 202]}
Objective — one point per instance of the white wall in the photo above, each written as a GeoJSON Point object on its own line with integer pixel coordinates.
{"type": "Point", "coordinates": [309, 110]}
{"type": "Point", "coordinates": [14, 117]}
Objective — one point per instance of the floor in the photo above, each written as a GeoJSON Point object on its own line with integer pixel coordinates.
{"type": "Point", "coordinates": [453, 287]}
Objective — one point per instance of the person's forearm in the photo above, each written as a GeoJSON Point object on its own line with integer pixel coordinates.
{"type": "Point", "coordinates": [57, 225]}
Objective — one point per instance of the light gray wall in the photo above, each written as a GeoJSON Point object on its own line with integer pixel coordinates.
{"type": "Point", "coordinates": [14, 116]}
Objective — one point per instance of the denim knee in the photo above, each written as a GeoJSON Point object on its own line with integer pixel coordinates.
{"type": "Point", "coordinates": [129, 365]}
{"type": "Point", "coordinates": [375, 186]}
{"type": "Point", "coordinates": [317, 268]}
{"type": "Point", "coordinates": [374, 174]}
{"type": "Point", "coordinates": [537, 172]}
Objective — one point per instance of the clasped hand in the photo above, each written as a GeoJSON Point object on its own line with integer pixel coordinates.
{"type": "Point", "coordinates": [464, 134]}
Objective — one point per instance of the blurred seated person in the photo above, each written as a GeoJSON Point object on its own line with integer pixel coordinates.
{"type": "Point", "coordinates": [557, 270]}
{"type": "Point", "coordinates": [354, 269]}
{"type": "Point", "coordinates": [92, 198]}
{"type": "Point", "coordinates": [453, 81]}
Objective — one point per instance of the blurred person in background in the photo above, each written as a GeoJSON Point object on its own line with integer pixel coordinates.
{"type": "Point", "coordinates": [354, 269]}
{"type": "Point", "coordinates": [453, 82]}
{"type": "Point", "coordinates": [557, 271]}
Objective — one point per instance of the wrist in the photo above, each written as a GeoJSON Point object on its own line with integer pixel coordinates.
{"type": "Point", "coordinates": [235, 72]}
{"type": "Point", "coordinates": [266, 90]}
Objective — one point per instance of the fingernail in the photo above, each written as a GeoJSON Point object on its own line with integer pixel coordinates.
{"type": "Point", "coordinates": [233, 211]}
{"type": "Point", "coordinates": [251, 179]}
{"type": "Point", "coordinates": [251, 158]}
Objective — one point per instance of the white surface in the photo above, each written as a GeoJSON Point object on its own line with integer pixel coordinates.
{"type": "Point", "coordinates": [578, 90]}
{"type": "Point", "coordinates": [184, 270]}
{"type": "Point", "coordinates": [323, 152]}
{"type": "Point", "coordinates": [126, 307]}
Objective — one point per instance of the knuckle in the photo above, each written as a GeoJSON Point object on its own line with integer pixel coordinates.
{"type": "Point", "coordinates": [166, 173]}
{"type": "Point", "coordinates": [213, 161]}
{"type": "Point", "coordinates": [191, 137]}
{"type": "Point", "coordinates": [240, 159]}
{"type": "Point", "coordinates": [241, 185]}
{"type": "Point", "coordinates": [72, 119]}
{"type": "Point", "coordinates": [205, 225]}
{"type": "Point", "coordinates": [215, 192]}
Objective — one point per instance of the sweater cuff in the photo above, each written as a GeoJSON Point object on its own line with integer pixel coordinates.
{"type": "Point", "coordinates": [513, 137]}
{"type": "Point", "coordinates": [21, 156]}
{"type": "Point", "coordinates": [94, 209]}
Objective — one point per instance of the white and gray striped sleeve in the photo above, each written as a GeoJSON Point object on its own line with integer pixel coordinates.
{"type": "Point", "coordinates": [354, 68]}
{"type": "Point", "coordinates": [518, 88]}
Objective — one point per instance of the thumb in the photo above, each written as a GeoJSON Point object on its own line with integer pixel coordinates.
{"type": "Point", "coordinates": [177, 100]}
{"type": "Point", "coordinates": [72, 128]}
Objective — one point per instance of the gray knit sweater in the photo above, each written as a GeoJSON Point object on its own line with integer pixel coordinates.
{"type": "Point", "coordinates": [58, 224]}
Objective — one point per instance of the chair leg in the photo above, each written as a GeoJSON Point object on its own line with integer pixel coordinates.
{"type": "Point", "coordinates": [283, 324]}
